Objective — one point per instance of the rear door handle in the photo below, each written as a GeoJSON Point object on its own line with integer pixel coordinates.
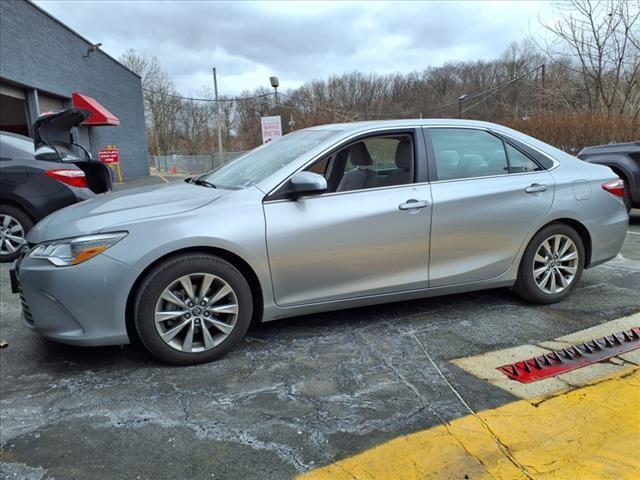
{"type": "Point", "coordinates": [536, 188]}
{"type": "Point", "coordinates": [413, 204]}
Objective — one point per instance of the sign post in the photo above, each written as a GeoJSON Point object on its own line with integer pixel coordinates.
{"type": "Point", "coordinates": [110, 156]}
{"type": "Point", "coordinates": [271, 128]}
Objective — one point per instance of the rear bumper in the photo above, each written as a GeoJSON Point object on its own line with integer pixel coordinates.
{"type": "Point", "coordinates": [79, 305]}
{"type": "Point", "coordinates": [607, 236]}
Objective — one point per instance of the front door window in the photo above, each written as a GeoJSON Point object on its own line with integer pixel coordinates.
{"type": "Point", "coordinates": [377, 161]}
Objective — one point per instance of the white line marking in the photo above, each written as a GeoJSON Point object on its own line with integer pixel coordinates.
{"type": "Point", "coordinates": [163, 179]}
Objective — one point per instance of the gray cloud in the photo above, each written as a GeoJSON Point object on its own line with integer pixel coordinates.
{"type": "Point", "coordinates": [298, 41]}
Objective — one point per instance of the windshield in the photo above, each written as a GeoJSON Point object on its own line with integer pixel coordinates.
{"type": "Point", "coordinates": [265, 160]}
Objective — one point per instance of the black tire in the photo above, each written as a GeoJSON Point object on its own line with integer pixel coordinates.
{"type": "Point", "coordinates": [526, 287]}
{"type": "Point", "coordinates": [169, 271]}
{"type": "Point", "coordinates": [25, 222]}
{"type": "Point", "coordinates": [628, 202]}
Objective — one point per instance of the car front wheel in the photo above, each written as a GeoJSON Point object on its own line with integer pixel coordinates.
{"type": "Point", "coordinates": [551, 265]}
{"type": "Point", "coordinates": [193, 308]}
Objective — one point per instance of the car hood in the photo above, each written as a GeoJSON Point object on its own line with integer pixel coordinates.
{"type": "Point", "coordinates": [110, 209]}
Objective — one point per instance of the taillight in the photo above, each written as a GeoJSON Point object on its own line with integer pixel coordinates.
{"type": "Point", "coordinates": [615, 187]}
{"type": "Point", "coordinates": [75, 178]}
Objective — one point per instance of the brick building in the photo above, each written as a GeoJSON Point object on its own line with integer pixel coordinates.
{"type": "Point", "coordinates": [43, 63]}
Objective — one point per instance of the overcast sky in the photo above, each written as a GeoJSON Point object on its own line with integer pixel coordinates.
{"type": "Point", "coordinates": [298, 42]}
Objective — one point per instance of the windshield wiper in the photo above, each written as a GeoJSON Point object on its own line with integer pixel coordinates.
{"type": "Point", "coordinates": [204, 183]}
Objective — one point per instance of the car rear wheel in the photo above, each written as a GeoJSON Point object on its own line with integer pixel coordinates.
{"type": "Point", "coordinates": [193, 308]}
{"type": "Point", "coordinates": [14, 226]}
{"type": "Point", "coordinates": [551, 265]}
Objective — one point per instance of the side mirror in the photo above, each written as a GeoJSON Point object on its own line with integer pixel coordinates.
{"type": "Point", "coordinates": [303, 183]}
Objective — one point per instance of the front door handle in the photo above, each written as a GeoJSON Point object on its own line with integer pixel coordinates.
{"type": "Point", "coordinates": [536, 188]}
{"type": "Point", "coordinates": [413, 204]}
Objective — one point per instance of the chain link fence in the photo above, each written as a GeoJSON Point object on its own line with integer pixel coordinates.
{"type": "Point", "coordinates": [191, 164]}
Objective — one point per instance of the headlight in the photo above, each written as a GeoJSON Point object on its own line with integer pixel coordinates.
{"type": "Point", "coordinates": [72, 251]}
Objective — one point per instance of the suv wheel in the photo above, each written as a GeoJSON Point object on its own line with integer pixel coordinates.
{"type": "Point", "coordinates": [551, 265]}
{"type": "Point", "coordinates": [193, 308]}
{"type": "Point", "coordinates": [628, 202]}
{"type": "Point", "coordinates": [14, 226]}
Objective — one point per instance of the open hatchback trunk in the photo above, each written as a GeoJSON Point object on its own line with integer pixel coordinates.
{"type": "Point", "coordinates": [54, 142]}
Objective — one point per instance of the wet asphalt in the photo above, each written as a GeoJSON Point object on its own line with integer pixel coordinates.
{"type": "Point", "coordinates": [296, 394]}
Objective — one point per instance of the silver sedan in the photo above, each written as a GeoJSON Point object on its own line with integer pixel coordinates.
{"type": "Point", "coordinates": [330, 217]}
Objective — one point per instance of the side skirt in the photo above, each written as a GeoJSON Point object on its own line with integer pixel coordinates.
{"type": "Point", "coordinates": [276, 313]}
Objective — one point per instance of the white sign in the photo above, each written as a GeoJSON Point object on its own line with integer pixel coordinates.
{"type": "Point", "coordinates": [271, 128]}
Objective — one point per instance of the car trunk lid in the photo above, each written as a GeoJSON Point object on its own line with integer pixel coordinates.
{"type": "Point", "coordinates": [54, 142]}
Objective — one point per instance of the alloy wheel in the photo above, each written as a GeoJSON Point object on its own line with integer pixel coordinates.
{"type": "Point", "coordinates": [196, 312]}
{"type": "Point", "coordinates": [11, 235]}
{"type": "Point", "coordinates": [555, 264]}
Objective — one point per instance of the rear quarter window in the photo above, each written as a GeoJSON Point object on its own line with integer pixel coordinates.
{"type": "Point", "coordinates": [543, 160]}
{"type": "Point", "coordinates": [16, 146]}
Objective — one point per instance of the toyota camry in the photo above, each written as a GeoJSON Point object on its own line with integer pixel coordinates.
{"type": "Point", "coordinates": [325, 218]}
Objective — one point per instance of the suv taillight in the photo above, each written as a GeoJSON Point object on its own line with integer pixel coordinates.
{"type": "Point", "coordinates": [75, 178]}
{"type": "Point", "coordinates": [615, 187]}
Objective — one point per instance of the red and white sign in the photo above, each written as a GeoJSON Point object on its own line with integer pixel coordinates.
{"type": "Point", "coordinates": [109, 155]}
{"type": "Point", "coordinates": [271, 128]}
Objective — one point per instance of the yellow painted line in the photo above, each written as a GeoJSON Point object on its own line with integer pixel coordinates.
{"type": "Point", "coordinates": [163, 179]}
{"type": "Point", "coordinates": [590, 433]}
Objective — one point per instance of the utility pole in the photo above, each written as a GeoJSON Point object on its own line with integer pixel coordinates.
{"type": "Point", "coordinates": [218, 123]}
{"type": "Point", "coordinates": [543, 92]}
{"type": "Point", "coordinates": [460, 100]}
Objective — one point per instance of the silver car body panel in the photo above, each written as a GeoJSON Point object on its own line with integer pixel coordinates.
{"type": "Point", "coordinates": [318, 252]}
{"type": "Point", "coordinates": [470, 247]}
{"type": "Point", "coordinates": [108, 210]}
{"type": "Point", "coordinates": [322, 252]}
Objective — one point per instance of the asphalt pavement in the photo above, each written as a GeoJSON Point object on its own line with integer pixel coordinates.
{"type": "Point", "coordinates": [295, 395]}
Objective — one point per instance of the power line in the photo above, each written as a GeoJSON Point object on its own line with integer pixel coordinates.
{"type": "Point", "coordinates": [234, 99]}
{"type": "Point", "coordinates": [332, 110]}
{"type": "Point", "coordinates": [496, 89]}
{"type": "Point", "coordinates": [254, 97]}
{"type": "Point", "coordinates": [490, 91]}
{"type": "Point", "coordinates": [350, 116]}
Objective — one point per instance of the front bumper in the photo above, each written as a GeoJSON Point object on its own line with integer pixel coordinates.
{"type": "Point", "coordinates": [79, 305]}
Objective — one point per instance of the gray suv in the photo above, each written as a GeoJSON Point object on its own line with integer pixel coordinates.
{"type": "Point", "coordinates": [624, 160]}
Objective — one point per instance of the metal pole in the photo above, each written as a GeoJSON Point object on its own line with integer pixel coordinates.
{"type": "Point", "coordinates": [219, 124]}
{"type": "Point", "coordinates": [543, 93]}
{"type": "Point", "coordinates": [461, 99]}
{"type": "Point", "coordinates": [276, 94]}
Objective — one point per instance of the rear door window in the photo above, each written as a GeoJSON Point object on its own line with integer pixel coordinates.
{"type": "Point", "coordinates": [467, 153]}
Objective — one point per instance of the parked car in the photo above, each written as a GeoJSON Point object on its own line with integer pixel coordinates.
{"type": "Point", "coordinates": [325, 218]}
{"type": "Point", "coordinates": [624, 160]}
{"type": "Point", "coordinates": [38, 179]}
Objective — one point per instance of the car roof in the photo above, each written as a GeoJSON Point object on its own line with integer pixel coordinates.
{"type": "Point", "coordinates": [4, 133]}
{"type": "Point", "coordinates": [424, 122]}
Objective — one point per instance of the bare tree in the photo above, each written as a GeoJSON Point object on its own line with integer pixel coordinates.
{"type": "Point", "coordinates": [599, 42]}
{"type": "Point", "coordinates": [162, 103]}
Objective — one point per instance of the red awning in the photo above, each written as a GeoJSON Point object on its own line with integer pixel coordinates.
{"type": "Point", "coordinates": [98, 114]}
